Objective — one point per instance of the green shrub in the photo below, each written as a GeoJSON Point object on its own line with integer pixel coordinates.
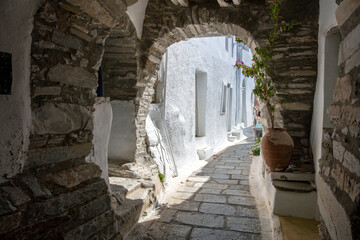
{"type": "Point", "coordinates": [162, 177]}
{"type": "Point", "coordinates": [255, 148]}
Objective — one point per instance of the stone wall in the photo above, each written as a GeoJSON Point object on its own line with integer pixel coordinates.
{"type": "Point", "coordinates": [58, 195]}
{"type": "Point", "coordinates": [339, 165]}
{"type": "Point", "coordinates": [295, 55]}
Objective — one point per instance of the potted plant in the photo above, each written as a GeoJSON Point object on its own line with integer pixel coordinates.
{"type": "Point", "coordinates": [276, 145]}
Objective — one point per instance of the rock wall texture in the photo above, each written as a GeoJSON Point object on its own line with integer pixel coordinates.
{"type": "Point", "coordinates": [58, 195]}
{"type": "Point", "coordinates": [339, 165]}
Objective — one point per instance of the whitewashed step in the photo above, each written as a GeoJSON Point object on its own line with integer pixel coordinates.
{"type": "Point", "coordinates": [205, 153]}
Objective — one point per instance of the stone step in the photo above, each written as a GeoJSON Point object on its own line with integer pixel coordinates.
{"type": "Point", "coordinates": [231, 138]}
{"type": "Point", "coordinates": [128, 213]}
{"type": "Point", "coordinates": [121, 187]}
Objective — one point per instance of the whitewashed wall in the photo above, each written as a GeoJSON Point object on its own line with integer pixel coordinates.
{"type": "Point", "coordinates": [122, 142]}
{"type": "Point", "coordinates": [16, 24]}
{"type": "Point", "coordinates": [327, 20]}
{"type": "Point", "coordinates": [184, 59]}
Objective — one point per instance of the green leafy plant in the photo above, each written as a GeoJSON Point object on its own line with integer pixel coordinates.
{"type": "Point", "coordinates": [161, 177]}
{"type": "Point", "coordinates": [260, 68]}
{"type": "Point", "coordinates": [255, 148]}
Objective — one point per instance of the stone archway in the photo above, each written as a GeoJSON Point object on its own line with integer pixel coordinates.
{"type": "Point", "coordinates": [294, 58]}
{"type": "Point", "coordinates": [60, 195]}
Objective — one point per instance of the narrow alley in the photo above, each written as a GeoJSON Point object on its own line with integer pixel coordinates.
{"type": "Point", "coordinates": [214, 202]}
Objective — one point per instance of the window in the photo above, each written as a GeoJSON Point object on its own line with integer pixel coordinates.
{"type": "Point", "coordinates": [200, 103]}
{"type": "Point", "coordinates": [223, 100]}
{"type": "Point", "coordinates": [5, 73]}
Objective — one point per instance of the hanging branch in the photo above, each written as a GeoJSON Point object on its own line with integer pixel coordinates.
{"type": "Point", "coordinates": [260, 68]}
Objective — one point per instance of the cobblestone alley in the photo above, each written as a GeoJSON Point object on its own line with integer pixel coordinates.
{"type": "Point", "coordinates": [214, 202]}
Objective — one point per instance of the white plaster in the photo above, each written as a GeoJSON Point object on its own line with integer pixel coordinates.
{"type": "Point", "coordinates": [184, 60]}
{"type": "Point", "coordinates": [290, 203]}
{"type": "Point", "coordinates": [102, 126]}
{"type": "Point", "coordinates": [16, 24]}
{"type": "Point", "coordinates": [327, 20]}
{"type": "Point", "coordinates": [123, 132]}
{"type": "Point", "coordinates": [136, 13]}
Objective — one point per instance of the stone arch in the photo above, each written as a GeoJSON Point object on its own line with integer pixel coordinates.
{"type": "Point", "coordinates": [294, 62]}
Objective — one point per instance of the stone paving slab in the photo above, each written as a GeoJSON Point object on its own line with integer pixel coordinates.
{"type": "Point", "coordinates": [200, 219]}
{"type": "Point", "coordinates": [211, 234]}
{"type": "Point", "coordinates": [214, 203]}
{"type": "Point", "coordinates": [216, 208]}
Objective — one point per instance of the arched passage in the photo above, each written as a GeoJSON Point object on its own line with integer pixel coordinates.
{"type": "Point", "coordinates": [62, 195]}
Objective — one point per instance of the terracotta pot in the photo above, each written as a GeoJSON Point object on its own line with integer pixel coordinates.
{"type": "Point", "coordinates": [277, 148]}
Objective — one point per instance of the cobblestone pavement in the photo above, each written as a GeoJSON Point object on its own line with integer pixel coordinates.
{"type": "Point", "coordinates": [213, 203]}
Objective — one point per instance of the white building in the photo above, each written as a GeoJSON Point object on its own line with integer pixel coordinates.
{"type": "Point", "coordinates": [200, 99]}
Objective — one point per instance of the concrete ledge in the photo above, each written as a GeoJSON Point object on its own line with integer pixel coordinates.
{"type": "Point", "coordinates": [292, 194]}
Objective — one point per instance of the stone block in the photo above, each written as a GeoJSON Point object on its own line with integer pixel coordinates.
{"type": "Point", "coordinates": [17, 197]}
{"type": "Point", "coordinates": [225, 181]}
{"type": "Point", "coordinates": [352, 62]}
{"type": "Point", "coordinates": [211, 191]}
{"type": "Point", "coordinates": [292, 186]}
{"type": "Point", "coordinates": [236, 192]}
{"type": "Point", "coordinates": [338, 150]}
{"type": "Point", "coordinates": [221, 209]}
{"type": "Point", "coordinates": [53, 90]}
{"type": "Point", "coordinates": [6, 207]}
{"type": "Point", "coordinates": [93, 209]}
{"type": "Point", "coordinates": [9, 222]}
{"type": "Point", "coordinates": [33, 184]}
{"type": "Point", "coordinates": [179, 204]}
{"type": "Point", "coordinates": [296, 106]}
{"type": "Point", "coordinates": [251, 225]}
{"type": "Point", "coordinates": [349, 45]}
{"type": "Point", "coordinates": [200, 219]}
{"type": "Point", "coordinates": [211, 185]}
{"type": "Point", "coordinates": [74, 176]}
{"type": "Point", "coordinates": [70, 75]}
{"type": "Point", "coordinates": [96, 10]}
{"type": "Point", "coordinates": [39, 157]}
{"type": "Point", "coordinates": [247, 212]}
{"type": "Point", "coordinates": [69, 41]}
{"type": "Point", "coordinates": [246, 201]}
{"type": "Point", "coordinates": [351, 163]}
{"type": "Point", "coordinates": [342, 90]}
{"type": "Point", "coordinates": [345, 9]}
{"type": "Point", "coordinates": [213, 234]}
{"type": "Point", "coordinates": [202, 197]}
{"type": "Point", "coordinates": [60, 118]}
{"type": "Point", "coordinates": [64, 202]}
{"type": "Point", "coordinates": [88, 229]}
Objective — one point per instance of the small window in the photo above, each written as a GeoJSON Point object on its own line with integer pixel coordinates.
{"type": "Point", "coordinates": [223, 100]}
{"type": "Point", "coordinates": [5, 73]}
{"type": "Point", "coordinates": [226, 43]}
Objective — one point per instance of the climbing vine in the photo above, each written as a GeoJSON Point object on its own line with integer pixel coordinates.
{"type": "Point", "coordinates": [260, 68]}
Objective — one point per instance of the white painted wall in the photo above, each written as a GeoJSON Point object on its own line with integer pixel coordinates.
{"type": "Point", "coordinates": [136, 13]}
{"type": "Point", "coordinates": [184, 59]}
{"type": "Point", "coordinates": [123, 132]}
{"type": "Point", "coordinates": [16, 24]}
{"type": "Point", "coordinates": [102, 126]}
{"type": "Point", "coordinates": [327, 20]}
